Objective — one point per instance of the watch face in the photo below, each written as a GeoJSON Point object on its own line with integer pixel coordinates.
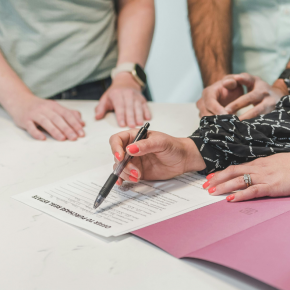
{"type": "Point", "coordinates": [140, 73]}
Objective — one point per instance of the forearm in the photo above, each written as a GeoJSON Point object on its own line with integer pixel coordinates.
{"type": "Point", "coordinates": [12, 87]}
{"type": "Point", "coordinates": [136, 20]}
{"type": "Point", "coordinates": [210, 22]}
{"type": "Point", "coordinates": [225, 140]}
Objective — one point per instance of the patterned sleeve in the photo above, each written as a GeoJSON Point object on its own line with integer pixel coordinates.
{"type": "Point", "coordinates": [225, 140]}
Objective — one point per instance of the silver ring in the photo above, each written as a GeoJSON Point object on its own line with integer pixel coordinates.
{"type": "Point", "coordinates": [247, 179]}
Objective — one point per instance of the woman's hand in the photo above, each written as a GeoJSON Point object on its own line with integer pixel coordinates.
{"type": "Point", "coordinates": [269, 175]}
{"type": "Point", "coordinates": [125, 98]}
{"type": "Point", "coordinates": [158, 157]}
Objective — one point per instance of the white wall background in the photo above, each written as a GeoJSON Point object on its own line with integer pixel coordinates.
{"type": "Point", "coordinates": [173, 74]}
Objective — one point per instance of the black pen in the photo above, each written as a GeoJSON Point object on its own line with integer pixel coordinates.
{"type": "Point", "coordinates": [142, 134]}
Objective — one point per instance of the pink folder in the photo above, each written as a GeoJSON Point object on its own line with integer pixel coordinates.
{"type": "Point", "coordinates": [252, 237]}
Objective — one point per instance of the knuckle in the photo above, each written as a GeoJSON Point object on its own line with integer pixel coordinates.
{"type": "Point", "coordinates": [254, 191]}
{"type": "Point", "coordinates": [42, 121]}
{"type": "Point", "coordinates": [67, 114]}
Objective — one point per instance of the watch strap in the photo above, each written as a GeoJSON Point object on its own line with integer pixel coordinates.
{"type": "Point", "coordinates": [124, 67]}
{"type": "Point", "coordinates": [133, 68]}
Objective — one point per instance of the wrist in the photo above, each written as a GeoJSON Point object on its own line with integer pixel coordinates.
{"type": "Point", "coordinates": [17, 102]}
{"type": "Point", "coordinates": [125, 79]}
{"type": "Point", "coordinates": [193, 160]}
{"type": "Point", "coordinates": [280, 85]}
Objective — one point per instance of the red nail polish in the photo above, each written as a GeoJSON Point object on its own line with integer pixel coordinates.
{"type": "Point", "coordinates": [118, 182]}
{"type": "Point", "coordinates": [230, 197]}
{"type": "Point", "coordinates": [134, 173]}
{"type": "Point", "coordinates": [210, 176]}
{"type": "Point", "coordinates": [117, 155]}
{"type": "Point", "coordinates": [133, 179]}
{"type": "Point", "coordinates": [205, 185]}
{"type": "Point", "coordinates": [212, 190]}
{"type": "Point", "coordinates": [133, 148]}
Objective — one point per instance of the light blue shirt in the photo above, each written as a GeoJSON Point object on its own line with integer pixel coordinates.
{"type": "Point", "coordinates": [261, 37]}
{"type": "Point", "coordinates": [57, 44]}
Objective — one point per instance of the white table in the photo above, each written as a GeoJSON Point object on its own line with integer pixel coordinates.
{"type": "Point", "coordinates": [41, 252]}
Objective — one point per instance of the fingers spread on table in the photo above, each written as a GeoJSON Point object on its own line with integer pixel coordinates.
{"type": "Point", "coordinates": [147, 113]}
{"type": "Point", "coordinates": [129, 99]}
{"type": "Point", "coordinates": [139, 115]}
{"type": "Point", "coordinates": [104, 106]}
{"type": "Point", "coordinates": [119, 107]}
{"type": "Point", "coordinates": [48, 126]}
{"type": "Point", "coordinates": [71, 126]}
{"type": "Point", "coordinates": [34, 132]}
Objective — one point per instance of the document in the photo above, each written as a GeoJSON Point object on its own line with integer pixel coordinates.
{"type": "Point", "coordinates": [127, 207]}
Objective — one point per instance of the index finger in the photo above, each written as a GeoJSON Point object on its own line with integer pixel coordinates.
{"type": "Point", "coordinates": [119, 142]}
{"type": "Point", "coordinates": [242, 102]}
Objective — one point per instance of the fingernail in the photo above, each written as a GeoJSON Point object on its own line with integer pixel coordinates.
{"type": "Point", "coordinates": [133, 149]}
{"type": "Point", "coordinates": [210, 176]}
{"type": "Point", "coordinates": [230, 197]}
{"type": "Point", "coordinates": [205, 185]}
{"type": "Point", "coordinates": [122, 124]}
{"type": "Point", "coordinates": [118, 182]}
{"type": "Point", "coordinates": [212, 190]}
{"type": "Point", "coordinates": [81, 133]}
{"type": "Point", "coordinates": [133, 179]}
{"type": "Point", "coordinates": [117, 155]}
{"type": "Point", "coordinates": [134, 173]}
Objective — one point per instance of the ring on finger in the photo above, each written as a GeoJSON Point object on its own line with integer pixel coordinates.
{"type": "Point", "coordinates": [247, 179]}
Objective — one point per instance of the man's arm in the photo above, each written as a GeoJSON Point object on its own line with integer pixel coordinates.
{"type": "Point", "coordinates": [211, 23]}
{"type": "Point", "coordinates": [136, 19]}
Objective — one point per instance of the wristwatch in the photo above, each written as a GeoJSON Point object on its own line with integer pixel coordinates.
{"type": "Point", "coordinates": [285, 75]}
{"type": "Point", "coordinates": [135, 69]}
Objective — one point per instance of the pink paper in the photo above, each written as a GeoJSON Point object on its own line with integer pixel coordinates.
{"type": "Point", "coordinates": [252, 237]}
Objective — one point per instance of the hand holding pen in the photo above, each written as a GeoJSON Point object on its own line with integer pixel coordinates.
{"type": "Point", "coordinates": [158, 157]}
{"type": "Point", "coordinates": [105, 190]}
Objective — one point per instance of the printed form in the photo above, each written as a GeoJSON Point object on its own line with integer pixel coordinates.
{"type": "Point", "coordinates": [128, 207]}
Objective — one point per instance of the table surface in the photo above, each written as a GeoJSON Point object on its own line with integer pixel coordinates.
{"type": "Point", "coordinates": [41, 252]}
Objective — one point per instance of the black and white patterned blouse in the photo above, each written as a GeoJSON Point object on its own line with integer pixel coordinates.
{"type": "Point", "coordinates": [225, 140]}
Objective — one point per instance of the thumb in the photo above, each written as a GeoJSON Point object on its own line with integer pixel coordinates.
{"type": "Point", "coordinates": [149, 145]}
{"type": "Point", "coordinates": [103, 107]}
{"type": "Point", "coordinates": [246, 80]}
{"type": "Point", "coordinates": [229, 83]}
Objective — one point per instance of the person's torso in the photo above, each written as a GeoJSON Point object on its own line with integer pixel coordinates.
{"type": "Point", "coordinates": [56, 44]}
{"type": "Point", "coordinates": [261, 37]}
